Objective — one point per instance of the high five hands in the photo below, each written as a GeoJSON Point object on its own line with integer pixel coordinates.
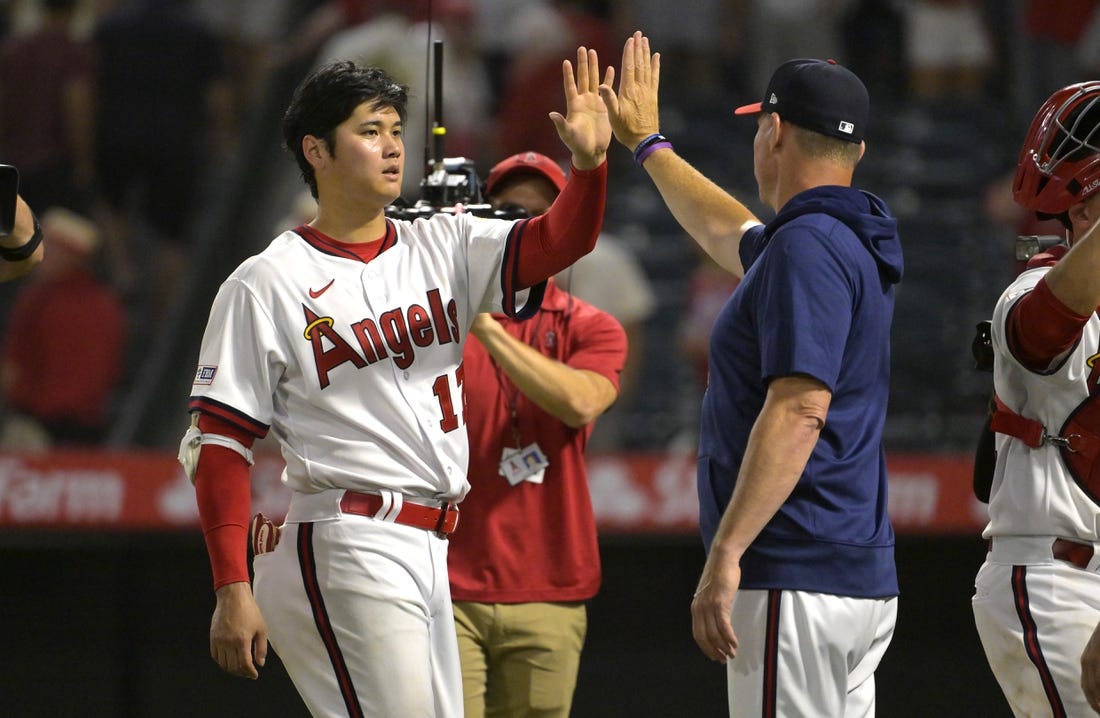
{"type": "Point", "coordinates": [584, 129]}
{"type": "Point", "coordinates": [594, 111]}
{"type": "Point", "coordinates": [633, 111]}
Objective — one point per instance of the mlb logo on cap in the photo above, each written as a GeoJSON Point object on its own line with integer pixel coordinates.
{"type": "Point", "coordinates": [819, 95]}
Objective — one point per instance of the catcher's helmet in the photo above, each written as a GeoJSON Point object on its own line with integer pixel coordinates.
{"type": "Point", "coordinates": [1059, 163]}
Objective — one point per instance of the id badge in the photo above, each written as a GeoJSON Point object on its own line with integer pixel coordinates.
{"type": "Point", "coordinates": [526, 464]}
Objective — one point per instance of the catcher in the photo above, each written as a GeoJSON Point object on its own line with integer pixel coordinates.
{"type": "Point", "coordinates": [1037, 595]}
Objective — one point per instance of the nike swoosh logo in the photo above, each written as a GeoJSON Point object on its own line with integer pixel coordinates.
{"type": "Point", "coordinates": [318, 292]}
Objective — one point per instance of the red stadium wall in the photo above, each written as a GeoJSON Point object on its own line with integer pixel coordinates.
{"type": "Point", "coordinates": [106, 592]}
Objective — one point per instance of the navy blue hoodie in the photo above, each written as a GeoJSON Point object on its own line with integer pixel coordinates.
{"type": "Point", "coordinates": [817, 299]}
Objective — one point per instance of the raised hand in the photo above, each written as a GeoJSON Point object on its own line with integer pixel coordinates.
{"type": "Point", "coordinates": [584, 129]}
{"type": "Point", "coordinates": [633, 111]}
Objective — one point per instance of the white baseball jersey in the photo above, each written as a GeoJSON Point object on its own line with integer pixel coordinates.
{"type": "Point", "coordinates": [1033, 493]}
{"type": "Point", "coordinates": [355, 365]}
{"type": "Point", "coordinates": [356, 368]}
{"type": "Point", "coordinates": [1034, 613]}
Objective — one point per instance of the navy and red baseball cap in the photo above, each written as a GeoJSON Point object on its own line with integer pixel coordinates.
{"type": "Point", "coordinates": [532, 163]}
{"type": "Point", "coordinates": [819, 95]}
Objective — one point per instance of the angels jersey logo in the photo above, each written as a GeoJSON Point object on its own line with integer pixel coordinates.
{"type": "Point", "coordinates": [396, 334]}
{"type": "Point", "coordinates": [1094, 374]}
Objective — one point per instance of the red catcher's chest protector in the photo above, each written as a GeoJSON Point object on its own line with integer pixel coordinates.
{"type": "Point", "coordinates": [1078, 441]}
{"type": "Point", "coordinates": [1081, 449]}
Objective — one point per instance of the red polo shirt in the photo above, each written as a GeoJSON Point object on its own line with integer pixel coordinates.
{"type": "Point", "coordinates": [531, 542]}
{"type": "Point", "coordinates": [65, 342]}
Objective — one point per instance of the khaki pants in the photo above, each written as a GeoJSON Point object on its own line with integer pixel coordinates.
{"type": "Point", "coordinates": [519, 660]}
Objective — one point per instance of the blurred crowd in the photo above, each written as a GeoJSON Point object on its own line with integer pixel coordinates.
{"type": "Point", "coordinates": [118, 112]}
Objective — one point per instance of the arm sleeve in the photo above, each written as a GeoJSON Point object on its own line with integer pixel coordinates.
{"type": "Point", "coordinates": [224, 495]}
{"type": "Point", "coordinates": [567, 231]}
{"type": "Point", "coordinates": [1039, 328]}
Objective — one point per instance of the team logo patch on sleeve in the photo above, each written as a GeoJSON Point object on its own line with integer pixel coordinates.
{"type": "Point", "coordinates": [205, 374]}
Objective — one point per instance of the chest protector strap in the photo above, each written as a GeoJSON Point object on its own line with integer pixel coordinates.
{"type": "Point", "coordinates": [1006, 421]}
{"type": "Point", "coordinates": [1078, 441]}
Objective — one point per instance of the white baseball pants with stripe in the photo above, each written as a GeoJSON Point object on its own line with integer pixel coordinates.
{"type": "Point", "coordinates": [1034, 620]}
{"type": "Point", "coordinates": [359, 611]}
{"type": "Point", "coordinates": [807, 655]}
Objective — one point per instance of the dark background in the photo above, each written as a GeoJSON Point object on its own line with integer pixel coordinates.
{"type": "Point", "coordinates": [116, 625]}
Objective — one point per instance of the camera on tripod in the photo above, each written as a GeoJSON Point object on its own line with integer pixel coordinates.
{"type": "Point", "coordinates": [450, 184]}
{"type": "Point", "coordinates": [453, 188]}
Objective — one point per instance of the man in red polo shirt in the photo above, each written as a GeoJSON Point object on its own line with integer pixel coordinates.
{"type": "Point", "coordinates": [526, 558]}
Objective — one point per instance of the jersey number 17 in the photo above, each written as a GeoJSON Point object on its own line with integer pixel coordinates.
{"type": "Point", "coordinates": [441, 387]}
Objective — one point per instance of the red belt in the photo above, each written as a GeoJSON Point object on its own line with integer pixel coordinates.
{"type": "Point", "coordinates": [441, 519]}
{"type": "Point", "coordinates": [1079, 554]}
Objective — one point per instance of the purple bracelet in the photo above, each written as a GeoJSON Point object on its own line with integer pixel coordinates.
{"type": "Point", "coordinates": [641, 158]}
{"type": "Point", "coordinates": [645, 144]}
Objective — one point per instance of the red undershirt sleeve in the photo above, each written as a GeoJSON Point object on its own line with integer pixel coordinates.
{"type": "Point", "coordinates": [224, 494]}
{"type": "Point", "coordinates": [567, 231]}
{"type": "Point", "coordinates": [1040, 328]}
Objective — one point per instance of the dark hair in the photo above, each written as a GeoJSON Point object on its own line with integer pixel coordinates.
{"type": "Point", "coordinates": [327, 97]}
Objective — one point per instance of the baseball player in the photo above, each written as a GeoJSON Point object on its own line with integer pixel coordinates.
{"type": "Point", "coordinates": [1037, 595]}
{"type": "Point", "coordinates": [527, 556]}
{"type": "Point", "coordinates": [344, 339]}
{"type": "Point", "coordinates": [798, 596]}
